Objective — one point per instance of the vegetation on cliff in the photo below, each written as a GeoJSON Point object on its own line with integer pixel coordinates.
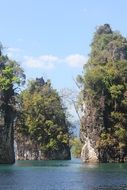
{"type": "Point", "coordinates": [105, 95]}
{"type": "Point", "coordinates": [11, 76]}
{"type": "Point", "coordinates": [36, 117]}
{"type": "Point", "coordinates": [76, 147]}
{"type": "Point", "coordinates": [42, 122]}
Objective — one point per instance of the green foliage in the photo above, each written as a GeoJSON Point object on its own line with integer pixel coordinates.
{"type": "Point", "coordinates": [11, 76]}
{"type": "Point", "coordinates": [76, 147]}
{"type": "Point", "coordinates": [120, 134]}
{"type": "Point", "coordinates": [43, 116]}
{"type": "Point", "coordinates": [117, 116]}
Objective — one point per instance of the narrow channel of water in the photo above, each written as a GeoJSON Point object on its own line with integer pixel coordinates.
{"type": "Point", "coordinates": [62, 175]}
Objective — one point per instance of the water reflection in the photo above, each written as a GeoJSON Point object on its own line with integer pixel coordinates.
{"type": "Point", "coordinates": [91, 166]}
{"type": "Point", "coordinates": [48, 163]}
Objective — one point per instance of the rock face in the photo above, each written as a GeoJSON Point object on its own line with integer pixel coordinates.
{"type": "Point", "coordinates": [7, 155]}
{"type": "Point", "coordinates": [89, 133]}
{"type": "Point", "coordinates": [88, 153]}
{"type": "Point", "coordinates": [28, 150]}
{"type": "Point", "coordinates": [95, 149]}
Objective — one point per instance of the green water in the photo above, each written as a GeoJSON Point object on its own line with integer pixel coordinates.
{"type": "Point", "coordinates": [62, 175]}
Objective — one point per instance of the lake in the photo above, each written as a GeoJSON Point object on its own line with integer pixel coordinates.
{"type": "Point", "coordinates": [62, 175]}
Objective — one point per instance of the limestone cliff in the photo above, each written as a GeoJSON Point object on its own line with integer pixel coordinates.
{"type": "Point", "coordinates": [104, 123]}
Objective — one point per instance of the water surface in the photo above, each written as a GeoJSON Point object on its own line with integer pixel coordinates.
{"type": "Point", "coordinates": [62, 175]}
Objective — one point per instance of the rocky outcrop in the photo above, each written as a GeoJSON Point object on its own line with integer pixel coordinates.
{"type": "Point", "coordinates": [42, 128]}
{"type": "Point", "coordinates": [104, 122]}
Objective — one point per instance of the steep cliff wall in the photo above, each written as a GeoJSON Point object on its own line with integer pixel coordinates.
{"type": "Point", "coordinates": [7, 155]}
{"type": "Point", "coordinates": [104, 124]}
{"type": "Point", "coordinates": [89, 134]}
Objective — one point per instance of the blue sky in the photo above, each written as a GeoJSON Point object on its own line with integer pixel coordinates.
{"type": "Point", "coordinates": [51, 38]}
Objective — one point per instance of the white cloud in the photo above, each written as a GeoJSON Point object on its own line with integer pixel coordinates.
{"type": "Point", "coordinates": [76, 60]}
{"type": "Point", "coordinates": [50, 61]}
{"type": "Point", "coordinates": [47, 61]}
{"type": "Point", "coordinates": [43, 61]}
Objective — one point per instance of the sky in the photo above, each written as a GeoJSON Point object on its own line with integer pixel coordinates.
{"type": "Point", "coordinates": [51, 38]}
